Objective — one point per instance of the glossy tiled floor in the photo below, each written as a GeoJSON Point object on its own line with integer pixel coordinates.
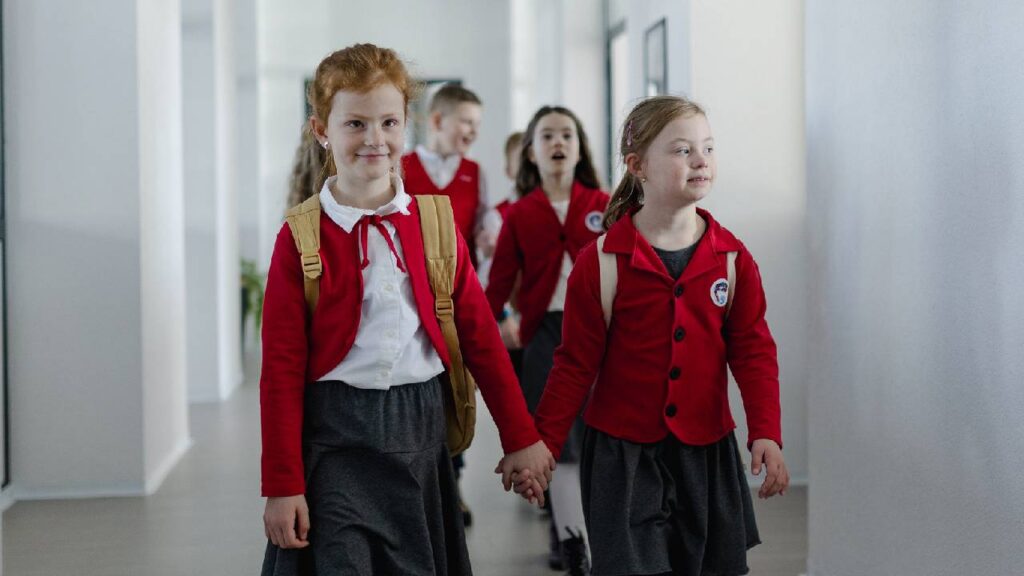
{"type": "Point", "coordinates": [206, 518]}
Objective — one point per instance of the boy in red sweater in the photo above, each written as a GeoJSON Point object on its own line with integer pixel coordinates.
{"type": "Point", "coordinates": [441, 167]}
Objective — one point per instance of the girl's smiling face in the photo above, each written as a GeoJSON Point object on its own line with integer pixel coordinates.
{"type": "Point", "coordinates": [680, 163]}
{"type": "Point", "coordinates": [366, 132]}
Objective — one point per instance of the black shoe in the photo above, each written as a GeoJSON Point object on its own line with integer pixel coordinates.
{"type": "Point", "coordinates": [555, 560]}
{"type": "Point", "coordinates": [467, 516]}
{"type": "Point", "coordinates": [574, 553]}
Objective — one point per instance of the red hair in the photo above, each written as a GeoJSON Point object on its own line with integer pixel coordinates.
{"type": "Point", "coordinates": [359, 68]}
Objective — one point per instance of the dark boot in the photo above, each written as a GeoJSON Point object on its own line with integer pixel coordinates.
{"type": "Point", "coordinates": [555, 561]}
{"type": "Point", "coordinates": [574, 554]}
{"type": "Point", "coordinates": [467, 515]}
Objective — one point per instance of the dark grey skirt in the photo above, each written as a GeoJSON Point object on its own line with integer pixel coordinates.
{"type": "Point", "coordinates": [379, 484]}
{"type": "Point", "coordinates": [666, 507]}
{"type": "Point", "coordinates": [538, 358]}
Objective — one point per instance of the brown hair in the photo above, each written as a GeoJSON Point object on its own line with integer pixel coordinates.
{"type": "Point", "coordinates": [528, 177]}
{"type": "Point", "coordinates": [360, 68]}
{"type": "Point", "coordinates": [307, 169]}
{"type": "Point", "coordinates": [513, 142]}
{"type": "Point", "coordinates": [451, 95]}
{"type": "Point", "coordinates": [641, 127]}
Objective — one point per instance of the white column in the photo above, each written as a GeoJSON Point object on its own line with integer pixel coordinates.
{"type": "Point", "coordinates": [95, 245]}
{"type": "Point", "coordinates": [211, 199]}
{"type": "Point", "coordinates": [915, 174]}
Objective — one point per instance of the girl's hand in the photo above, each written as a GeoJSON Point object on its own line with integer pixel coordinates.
{"type": "Point", "coordinates": [486, 241]}
{"type": "Point", "coordinates": [509, 329]}
{"type": "Point", "coordinates": [528, 487]}
{"type": "Point", "coordinates": [281, 518]}
{"type": "Point", "coordinates": [536, 458]}
{"type": "Point", "coordinates": [776, 480]}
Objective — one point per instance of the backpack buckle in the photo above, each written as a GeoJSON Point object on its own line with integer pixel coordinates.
{"type": "Point", "coordinates": [444, 308]}
{"type": "Point", "coordinates": [311, 266]}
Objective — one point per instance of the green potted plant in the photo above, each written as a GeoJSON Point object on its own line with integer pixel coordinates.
{"type": "Point", "coordinates": [252, 295]}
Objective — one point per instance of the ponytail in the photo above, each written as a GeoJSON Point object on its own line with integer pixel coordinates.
{"type": "Point", "coordinates": [628, 196]}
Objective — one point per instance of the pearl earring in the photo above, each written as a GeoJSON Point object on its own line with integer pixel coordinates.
{"type": "Point", "coordinates": [326, 144]}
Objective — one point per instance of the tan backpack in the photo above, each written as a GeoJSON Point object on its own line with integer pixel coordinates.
{"type": "Point", "coordinates": [440, 248]}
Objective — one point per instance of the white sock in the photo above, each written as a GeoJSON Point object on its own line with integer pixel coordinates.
{"type": "Point", "coordinates": [566, 501]}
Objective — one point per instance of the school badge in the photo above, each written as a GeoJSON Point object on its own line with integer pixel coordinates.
{"type": "Point", "coordinates": [720, 292]}
{"type": "Point", "coordinates": [594, 222]}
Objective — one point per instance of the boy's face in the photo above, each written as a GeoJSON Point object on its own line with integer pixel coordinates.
{"type": "Point", "coordinates": [457, 130]}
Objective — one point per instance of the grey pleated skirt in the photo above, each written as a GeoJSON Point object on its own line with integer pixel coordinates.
{"type": "Point", "coordinates": [379, 484]}
{"type": "Point", "coordinates": [538, 358]}
{"type": "Point", "coordinates": [666, 507]}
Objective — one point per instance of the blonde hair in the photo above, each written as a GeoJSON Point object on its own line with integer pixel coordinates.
{"type": "Point", "coordinates": [513, 142]}
{"type": "Point", "coordinates": [360, 68]}
{"type": "Point", "coordinates": [449, 96]}
{"type": "Point", "coordinates": [641, 127]}
{"type": "Point", "coordinates": [307, 169]}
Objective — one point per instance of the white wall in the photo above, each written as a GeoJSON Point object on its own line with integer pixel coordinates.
{"type": "Point", "coordinates": [96, 358]}
{"type": "Point", "coordinates": [247, 151]}
{"type": "Point", "coordinates": [448, 39]}
{"type": "Point", "coordinates": [162, 219]}
{"type": "Point", "coordinates": [212, 173]}
{"type": "Point", "coordinates": [915, 174]}
{"type": "Point", "coordinates": [558, 59]}
{"type": "Point", "coordinates": [200, 163]}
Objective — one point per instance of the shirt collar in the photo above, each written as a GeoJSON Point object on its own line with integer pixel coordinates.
{"type": "Point", "coordinates": [348, 216]}
{"type": "Point", "coordinates": [428, 155]}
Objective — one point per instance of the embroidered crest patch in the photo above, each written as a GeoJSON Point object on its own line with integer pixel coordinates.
{"type": "Point", "coordinates": [720, 292]}
{"type": "Point", "coordinates": [594, 222]}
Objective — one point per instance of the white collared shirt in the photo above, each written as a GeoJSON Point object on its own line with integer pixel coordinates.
{"type": "Point", "coordinates": [441, 169]}
{"type": "Point", "coordinates": [391, 346]}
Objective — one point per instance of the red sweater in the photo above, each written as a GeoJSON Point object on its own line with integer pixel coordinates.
{"type": "Point", "coordinates": [296, 352]}
{"type": "Point", "coordinates": [532, 242]}
{"type": "Point", "coordinates": [464, 191]}
{"type": "Point", "coordinates": [661, 366]}
{"type": "Point", "coordinates": [503, 207]}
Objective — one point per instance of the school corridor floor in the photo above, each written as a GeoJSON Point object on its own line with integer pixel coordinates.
{"type": "Point", "coordinates": [206, 518]}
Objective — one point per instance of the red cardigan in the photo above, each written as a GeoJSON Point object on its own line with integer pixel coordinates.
{"type": "Point", "coordinates": [661, 366]}
{"type": "Point", "coordinates": [297, 351]}
{"type": "Point", "coordinates": [532, 242]}
{"type": "Point", "coordinates": [464, 191]}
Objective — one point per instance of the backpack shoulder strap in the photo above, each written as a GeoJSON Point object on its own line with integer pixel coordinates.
{"type": "Point", "coordinates": [730, 267]}
{"type": "Point", "coordinates": [437, 222]}
{"type": "Point", "coordinates": [609, 273]}
{"type": "Point", "coordinates": [304, 222]}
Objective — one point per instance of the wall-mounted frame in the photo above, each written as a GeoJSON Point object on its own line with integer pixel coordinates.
{"type": "Point", "coordinates": [656, 60]}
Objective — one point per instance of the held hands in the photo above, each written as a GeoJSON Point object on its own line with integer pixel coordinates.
{"type": "Point", "coordinates": [767, 453]}
{"type": "Point", "coordinates": [286, 521]}
{"type": "Point", "coordinates": [529, 470]}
